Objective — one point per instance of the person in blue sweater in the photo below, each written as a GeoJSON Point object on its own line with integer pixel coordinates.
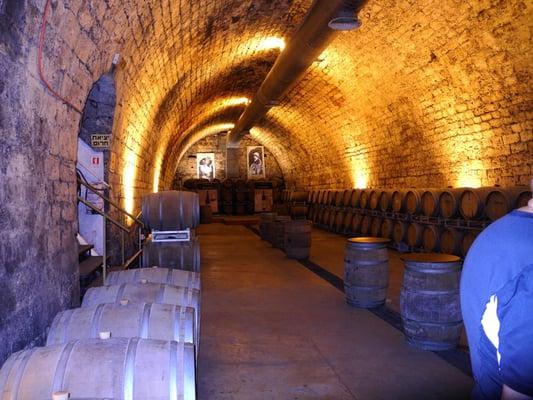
{"type": "Point", "coordinates": [497, 307]}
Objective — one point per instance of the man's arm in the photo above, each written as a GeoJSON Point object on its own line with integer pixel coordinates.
{"type": "Point", "coordinates": [510, 394]}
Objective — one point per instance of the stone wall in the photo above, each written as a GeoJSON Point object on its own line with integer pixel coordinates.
{"type": "Point", "coordinates": [217, 144]}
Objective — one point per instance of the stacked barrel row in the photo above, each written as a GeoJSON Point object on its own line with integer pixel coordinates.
{"type": "Point", "coordinates": [445, 220]}
{"type": "Point", "coordinates": [294, 203]}
{"type": "Point", "coordinates": [290, 235]}
{"type": "Point", "coordinates": [136, 337]}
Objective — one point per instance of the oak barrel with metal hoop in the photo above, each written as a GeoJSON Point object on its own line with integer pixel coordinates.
{"type": "Point", "coordinates": [170, 210]}
{"type": "Point", "coordinates": [178, 255]}
{"type": "Point", "coordinates": [167, 276]}
{"type": "Point", "coordinates": [297, 239]}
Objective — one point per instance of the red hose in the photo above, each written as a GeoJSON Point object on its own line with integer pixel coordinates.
{"type": "Point", "coordinates": [40, 61]}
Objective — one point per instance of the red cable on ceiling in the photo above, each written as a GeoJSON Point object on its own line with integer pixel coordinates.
{"type": "Point", "coordinates": [40, 61]}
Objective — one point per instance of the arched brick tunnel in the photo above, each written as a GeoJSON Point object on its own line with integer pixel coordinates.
{"type": "Point", "coordinates": [423, 94]}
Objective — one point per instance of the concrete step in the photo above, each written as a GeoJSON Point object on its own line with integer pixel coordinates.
{"type": "Point", "coordinates": [90, 265]}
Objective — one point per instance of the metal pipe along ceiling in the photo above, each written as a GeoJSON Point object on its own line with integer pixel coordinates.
{"type": "Point", "coordinates": [311, 38]}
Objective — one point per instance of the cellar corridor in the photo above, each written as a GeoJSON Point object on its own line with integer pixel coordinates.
{"type": "Point", "coordinates": [272, 329]}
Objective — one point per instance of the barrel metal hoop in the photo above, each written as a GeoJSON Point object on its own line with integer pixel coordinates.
{"type": "Point", "coordinates": [431, 292]}
{"type": "Point", "coordinates": [446, 270]}
{"type": "Point", "coordinates": [181, 327]}
{"type": "Point", "coordinates": [64, 335]}
{"type": "Point", "coordinates": [145, 325]}
{"type": "Point", "coordinates": [367, 263]}
{"type": "Point", "coordinates": [160, 293]}
{"type": "Point", "coordinates": [170, 276]}
{"type": "Point", "coordinates": [95, 321]}
{"type": "Point", "coordinates": [26, 355]}
{"type": "Point", "coordinates": [435, 324]}
{"type": "Point", "coordinates": [367, 287]}
{"type": "Point", "coordinates": [61, 367]}
{"type": "Point", "coordinates": [173, 370]}
{"type": "Point", "coordinates": [129, 368]}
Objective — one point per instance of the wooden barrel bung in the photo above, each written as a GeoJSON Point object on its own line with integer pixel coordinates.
{"type": "Point", "coordinates": [297, 240]}
{"type": "Point", "coordinates": [429, 300]}
{"type": "Point", "coordinates": [366, 271]}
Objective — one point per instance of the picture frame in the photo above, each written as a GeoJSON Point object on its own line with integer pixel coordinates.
{"type": "Point", "coordinates": [205, 166]}
{"type": "Point", "coordinates": [255, 162]}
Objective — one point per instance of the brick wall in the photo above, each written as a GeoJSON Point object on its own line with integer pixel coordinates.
{"type": "Point", "coordinates": [217, 144]}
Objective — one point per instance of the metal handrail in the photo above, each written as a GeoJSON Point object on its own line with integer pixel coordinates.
{"type": "Point", "coordinates": [124, 229]}
{"type": "Point", "coordinates": [109, 201]}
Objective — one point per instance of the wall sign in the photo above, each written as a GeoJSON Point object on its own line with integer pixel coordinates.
{"type": "Point", "coordinates": [101, 141]}
{"type": "Point", "coordinates": [95, 160]}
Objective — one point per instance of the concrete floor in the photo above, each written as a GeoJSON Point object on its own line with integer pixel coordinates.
{"type": "Point", "coordinates": [271, 329]}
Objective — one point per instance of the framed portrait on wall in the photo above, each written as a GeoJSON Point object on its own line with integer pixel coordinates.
{"type": "Point", "coordinates": [255, 162]}
{"type": "Point", "coordinates": [205, 165]}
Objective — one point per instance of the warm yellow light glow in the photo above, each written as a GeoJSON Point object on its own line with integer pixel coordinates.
{"type": "Point", "coordinates": [157, 174]}
{"type": "Point", "coordinates": [129, 175]}
{"type": "Point", "coordinates": [270, 43]}
{"type": "Point", "coordinates": [469, 174]}
{"type": "Point", "coordinates": [359, 169]}
{"type": "Point", "coordinates": [190, 139]}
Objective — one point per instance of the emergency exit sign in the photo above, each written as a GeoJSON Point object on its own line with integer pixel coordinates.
{"type": "Point", "coordinates": [101, 141]}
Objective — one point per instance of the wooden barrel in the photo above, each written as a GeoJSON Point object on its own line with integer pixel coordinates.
{"type": "Point", "coordinates": [500, 201]}
{"type": "Point", "coordinates": [338, 224]}
{"type": "Point", "coordinates": [387, 227]}
{"type": "Point", "coordinates": [299, 196]}
{"type": "Point", "coordinates": [413, 236]}
{"type": "Point", "coordinates": [298, 211]}
{"type": "Point", "coordinates": [297, 239]}
{"type": "Point", "coordinates": [365, 225]}
{"type": "Point", "coordinates": [373, 198]}
{"type": "Point", "coordinates": [413, 201]}
{"type": "Point", "coordinates": [356, 223]}
{"type": "Point", "coordinates": [320, 197]}
{"type": "Point", "coordinates": [266, 220]}
{"type": "Point", "coordinates": [366, 271]}
{"type": "Point", "coordinates": [147, 321]}
{"type": "Point", "coordinates": [364, 200]}
{"type": "Point", "coordinates": [155, 275]}
{"type": "Point", "coordinates": [114, 368]}
{"type": "Point", "coordinates": [355, 198]}
{"type": "Point", "coordinates": [347, 221]}
{"type": "Point", "coordinates": [431, 238]}
{"type": "Point", "coordinates": [330, 197]}
{"type": "Point", "coordinates": [375, 226]}
{"type": "Point", "coordinates": [449, 202]}
{"type": "Point", "coordinates": [385, 200]}
{"type": "Point", "coordinates": [315, 213]}
{"type": "Point", "coordinates": [178, 255]}
{"type": "Point", "coordinates": [429, 300]}
{"type": "Point", "coordinates": [430, 202]}
{"type": "Point", "coordinates": [206, 214]}
{"type": "Point", "coordinates": [170, 210]}
{"type": "Point", "coordinates": [398, 201]}
{"type": "Point", "coordinates": [451, 241]}
{"type": "Point", "coordinates": [227, 208]}
{"type": "Point", "coordinates": [472, 202]}
{"type": "Point", "coordinates": [346, 195]}
{"type": "Point", "coordinates": [331, 220]}
{"type": "Point", "coordinates": [278, 231]}
{"type": "Point", "coordinates": [339, 195]}
{"type": "Point", "coordinates": [467, 241]}
{"type": "Point", "coordinates": [399, 231]}
{"type": "Point", "coordinates": [310, 197]}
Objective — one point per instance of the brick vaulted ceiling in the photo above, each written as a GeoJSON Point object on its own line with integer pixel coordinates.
{"type": "Point", "coordinates": [425, 93]}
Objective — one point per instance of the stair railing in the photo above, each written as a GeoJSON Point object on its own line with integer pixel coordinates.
{"type": "Point", "coordinates": [137, 223]}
